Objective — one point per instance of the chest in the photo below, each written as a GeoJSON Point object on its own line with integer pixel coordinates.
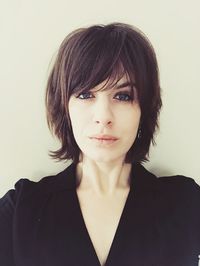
{"type": "Point", "coordinates": [86, 231]}
{"type": "Point", "coordinates": [102, 216]}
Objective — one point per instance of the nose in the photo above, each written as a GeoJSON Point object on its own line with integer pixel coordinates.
{"type": "Point", "coordinates": [102, 113]}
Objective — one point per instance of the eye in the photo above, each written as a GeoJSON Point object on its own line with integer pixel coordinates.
{"type": "Point", "coordinates": [84, 95]}
{"type": "Point", "coordinates": [124, 96]}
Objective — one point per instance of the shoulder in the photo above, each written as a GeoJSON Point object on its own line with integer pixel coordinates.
{"type": "Point", "coordinates": [26, 189]}
{"type": "Point", "coordinates": [179, 196]}
{"type": "Point", "coordinates": [181, 182]}
{"type": "Point", "coordinates": [170, 188]}
{"type": "Point", "coordinates": [176, 200]}
{"type": "Point", "coordinates": [178, 186]}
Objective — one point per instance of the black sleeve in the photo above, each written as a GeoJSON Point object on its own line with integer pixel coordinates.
{"type": "Point", "coordinates": [179, 198]}
{"type": "Point", "coordinates": [7, 209]}
{"type": "Point", "coordinates": [196, 209]}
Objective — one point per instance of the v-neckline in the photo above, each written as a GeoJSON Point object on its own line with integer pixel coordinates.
{"type": "Point", "coordinates": [136, 236]}
{"type": "Point", "coordinates": [121, 222]}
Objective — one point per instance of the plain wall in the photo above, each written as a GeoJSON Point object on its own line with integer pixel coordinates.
{"type": "Point", "coordinates": [31, 32]}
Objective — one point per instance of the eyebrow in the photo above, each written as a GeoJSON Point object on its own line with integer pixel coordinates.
{"type": "Point", "coordinates": [125, 84]}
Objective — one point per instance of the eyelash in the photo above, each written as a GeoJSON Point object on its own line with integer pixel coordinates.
{"type": "Point", "coordinates": [130, 97]}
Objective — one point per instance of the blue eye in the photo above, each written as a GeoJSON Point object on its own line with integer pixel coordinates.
{"type": "Point", "coordinates": [84, 95]}
{"type": "Point", "coordinates": [126, 97]}
{"type": "Point", "coordinates": [121, 96]}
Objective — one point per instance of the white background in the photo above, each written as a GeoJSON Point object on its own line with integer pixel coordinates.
{"type": "Point", "coordinates": [30, 34]}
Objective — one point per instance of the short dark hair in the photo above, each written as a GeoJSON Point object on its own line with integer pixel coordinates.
{"type": "Point", "coordinates": [89, 56]}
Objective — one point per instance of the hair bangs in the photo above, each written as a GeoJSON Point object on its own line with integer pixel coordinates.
{"type": "Point", "coordinates": [98, 62]}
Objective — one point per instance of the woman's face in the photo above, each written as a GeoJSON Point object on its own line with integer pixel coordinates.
{"type": "Point", "coordinates": [105, 123]}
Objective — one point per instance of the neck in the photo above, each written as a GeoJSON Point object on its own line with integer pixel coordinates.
{"type": "Point", "coordinates": [103, 178]}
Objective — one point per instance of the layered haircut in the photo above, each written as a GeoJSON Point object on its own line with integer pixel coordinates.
{"type": "Point", "coordinates": [89, 56]}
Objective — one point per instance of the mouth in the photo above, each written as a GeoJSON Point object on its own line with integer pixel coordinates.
{"type": "Point", "coordinates": [104, 137]}
{"type": "Point", "coordinates": [103, 140]}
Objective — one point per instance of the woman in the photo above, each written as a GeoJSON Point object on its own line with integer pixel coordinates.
{"type": "Point", "coordinates": [103, 102]}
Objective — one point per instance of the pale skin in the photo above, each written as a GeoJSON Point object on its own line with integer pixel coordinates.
{"type": "Point", "coordinates": [103, 178]}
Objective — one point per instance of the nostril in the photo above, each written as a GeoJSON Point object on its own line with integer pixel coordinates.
{"type": "Point", "coordinates": [104, 123]}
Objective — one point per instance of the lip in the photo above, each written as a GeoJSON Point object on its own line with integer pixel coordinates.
{"type": "Point", "coordinates": [104, 137]}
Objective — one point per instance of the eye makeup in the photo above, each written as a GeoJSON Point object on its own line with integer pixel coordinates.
{"type": "Point", "coordinates": [123, 95]}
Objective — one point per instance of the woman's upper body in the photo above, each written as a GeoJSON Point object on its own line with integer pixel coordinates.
{"type": "Point", "coordinates": [46, 223]}
{"type": "Point", "coordinates": [103, 102]}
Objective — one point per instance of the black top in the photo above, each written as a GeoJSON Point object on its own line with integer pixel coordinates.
{"type": "Point", "coordinates": [41, 223]}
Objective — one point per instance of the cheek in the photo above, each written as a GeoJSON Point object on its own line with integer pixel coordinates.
{"type": "Point", "coordinates": [78, 122]}
{"type": "Point", "coordinates": [131, 119]}
{"type": "Point", "coordinates": [130, 130]}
